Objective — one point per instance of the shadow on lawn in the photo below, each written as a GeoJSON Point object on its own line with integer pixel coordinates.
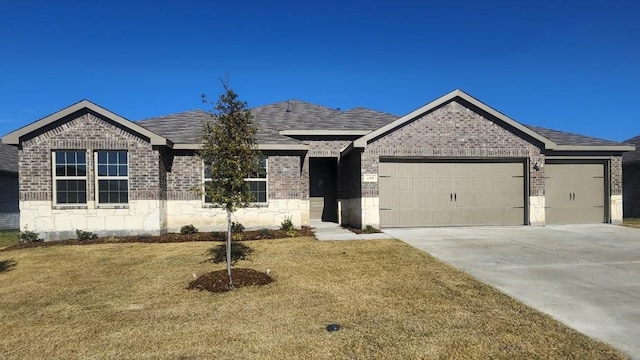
{"type": "Point", "coordinates": [218, 253]}
{"type": "Point", "coordinates": [6, 265]}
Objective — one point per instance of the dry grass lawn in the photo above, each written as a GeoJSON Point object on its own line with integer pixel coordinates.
{"type": "Point", "coordinates": [128, 301]}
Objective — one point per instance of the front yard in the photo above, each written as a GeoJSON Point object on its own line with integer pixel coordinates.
{"type": "Point", "coordinates": [130, 300]}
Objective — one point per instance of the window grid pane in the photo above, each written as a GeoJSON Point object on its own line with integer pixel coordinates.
{"type": "Point", "coordinates": [70, 171]}
{"type": "Point", "coordinates": [113, 184]}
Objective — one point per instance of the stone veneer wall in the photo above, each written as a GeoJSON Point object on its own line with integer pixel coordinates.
{"type": "Point", "coordinates": [451, 131]}
{"type": "Point", "coordinates": [90, 132]}
{"type": "Point", "coordinates": [616, 200]}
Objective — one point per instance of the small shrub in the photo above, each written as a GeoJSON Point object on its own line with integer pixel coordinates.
{"type": "Point", "coordinates": [28, 236]}
{"type": "Point", "coordinates": [292, 232]}
{"type": "Point", "coordinates": [237, 236]}
{"type": "Point", "coordinates": [264, 233]}
{"type": "Point", "coordinates": [287, 224]}
{"type": "Point", "coordinates": [188, 229]}
{"type": "Point", "coordinates": [370, 230]}
{"type": "Point", "coordinates": [239, 251]}
{"type": "Point", "coordinates": [237, 227]}
{"type": "Point", "coordinates": [85, 235]}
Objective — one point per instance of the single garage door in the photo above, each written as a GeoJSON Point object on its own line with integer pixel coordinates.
{"type": "Point", "coordinates": [455, 193]}
{"type": "Point", "coordinates": [574, 193]}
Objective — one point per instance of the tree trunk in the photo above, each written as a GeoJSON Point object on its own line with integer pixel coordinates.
{"type": "Point", "coordinates": [229, 249]}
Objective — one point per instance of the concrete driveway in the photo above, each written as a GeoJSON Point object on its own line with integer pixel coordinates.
{"type": "Point", "coordinates": [586, 276]}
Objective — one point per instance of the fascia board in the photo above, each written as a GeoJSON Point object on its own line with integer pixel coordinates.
{"type": "Point", "coordinates": [623, 148]}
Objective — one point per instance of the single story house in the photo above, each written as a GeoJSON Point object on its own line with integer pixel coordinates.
{"type": "Point", "coordinates": [631, 180]}
{"type": "Point", "coordinates": [9, 209]}
{"type": "Point", "coordinates": [454, 161]}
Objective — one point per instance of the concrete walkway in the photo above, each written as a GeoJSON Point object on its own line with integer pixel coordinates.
{"type": "Point", "coordinates": [586, 276]}
{"type": "Point", "coordinates": [332, 231]}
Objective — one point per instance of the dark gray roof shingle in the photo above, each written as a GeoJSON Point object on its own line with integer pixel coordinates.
{"type": "Point", "coordinates": [566, 138]}
{"type": "Point", "coordinates": [8, 158]}
{"type": "Point", "coordinates": [632, 156]}
{"type": "Point", "coordinates": [185, 128]}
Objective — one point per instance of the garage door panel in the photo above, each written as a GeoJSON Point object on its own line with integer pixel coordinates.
{"type": "Point", "coordinates": [574, 193]}
{"type": "Point", "coordinates": [445, 194]}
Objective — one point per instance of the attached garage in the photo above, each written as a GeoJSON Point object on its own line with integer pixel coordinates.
{"type": "Point", "coordinates": [575, 193]}
{"type": "Point", "coordinates": [456, 161]}
{"type": "Point", "coordinates": [419, 193]}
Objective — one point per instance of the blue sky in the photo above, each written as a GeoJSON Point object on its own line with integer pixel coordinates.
{"type": "Point", "coordinates": [568, 65]}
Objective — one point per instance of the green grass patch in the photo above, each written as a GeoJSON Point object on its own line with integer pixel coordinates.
{"type": "Point", "coordinates": [9, 237]}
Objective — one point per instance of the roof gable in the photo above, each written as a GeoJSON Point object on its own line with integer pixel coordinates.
{"type": "Point", "coordinates": [14, 137]}
{"type": "Point", "coordinates": [549, 139]}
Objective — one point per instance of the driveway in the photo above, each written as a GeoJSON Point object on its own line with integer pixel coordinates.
{"type": "Point", "coordinates": [586, 276]}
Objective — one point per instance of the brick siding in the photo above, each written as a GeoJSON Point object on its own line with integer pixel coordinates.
{"type": "Point", "coordinates": [451, 131]}
{"type": "Point", "coordinates": [88, 132]}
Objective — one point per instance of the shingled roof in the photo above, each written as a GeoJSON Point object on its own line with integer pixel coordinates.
{"type": "Point", "coordinates": [8, 158]}
{"type": "Point", "coordinates": [185, 127]}
{"type": "Point", "coordinates": [632, 156]}
{"type": "Point", "coordinates": [567, 138]}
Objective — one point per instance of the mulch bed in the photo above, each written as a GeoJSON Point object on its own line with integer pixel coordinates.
{"type": "Point", "coordinates": [360, 231]}
{"type": "Point", "coordinates": [218, 281]}
{"type": "Point", "coordinates": [168, 238]}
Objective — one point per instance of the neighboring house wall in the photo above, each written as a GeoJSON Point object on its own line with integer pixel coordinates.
{"type": "Point", "coordinates": [631, 188]}
{"type": "Point", "coordinates": [146, 208]}
{"type": "Point", "coordinates": [9, 209]}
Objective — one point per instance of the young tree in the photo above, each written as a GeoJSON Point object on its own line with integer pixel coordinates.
{"type": "Point", "coordinates": [229, 151]}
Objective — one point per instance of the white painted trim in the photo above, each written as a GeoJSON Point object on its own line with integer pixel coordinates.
{"type": "Point", "coordinates": [97, 178]}
{"type": "Point", "coordinates": [55, 178]}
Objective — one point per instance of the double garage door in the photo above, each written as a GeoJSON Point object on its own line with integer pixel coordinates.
{"type": "Point", "coordinates": [451, 193]}
{"type": "Point", "coordinates": [486, 193]}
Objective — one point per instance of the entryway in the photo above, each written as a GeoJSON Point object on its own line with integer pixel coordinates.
{"type": "Point", "coordinates": [323, 189]}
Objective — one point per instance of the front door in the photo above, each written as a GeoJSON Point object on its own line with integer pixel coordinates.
{"type": "Point", "coordinates": [323, 190]}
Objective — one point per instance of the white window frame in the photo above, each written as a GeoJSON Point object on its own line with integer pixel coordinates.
{"type": "Point", "coordinates": [99, 177]}
{"type": "Point", "coordinates": [261, 179]}
{"type": "Point", "coordinates": [56, 177]}
{"type": "Point", "coordinates": [247, 179]}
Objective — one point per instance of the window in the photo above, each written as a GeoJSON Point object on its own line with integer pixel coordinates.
{"type": "Point", "coordinates": [257, 182]}
{"type": "Point", "coordinates": [112, 177]}
{"type": "Point", "coordinates": [70, 177]}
